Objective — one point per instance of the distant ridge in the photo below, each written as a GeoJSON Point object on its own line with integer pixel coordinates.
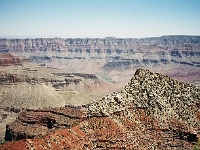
{"type": "Point", "coordinates": [100, 45]}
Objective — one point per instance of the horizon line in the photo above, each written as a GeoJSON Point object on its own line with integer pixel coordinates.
{"type": "Point", "coordinates": [73, 37]}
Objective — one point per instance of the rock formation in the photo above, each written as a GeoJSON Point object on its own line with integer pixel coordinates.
{"type": "Point", "coordinates": [153, 111]}
{"type": "Point", "coordinates": [37, 123]}
{"type": "Point", "coordinates": [7, 59]}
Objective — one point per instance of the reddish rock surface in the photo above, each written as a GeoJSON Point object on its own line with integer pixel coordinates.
{"type": "Point", "coordinates": [7, 59]}
{"type": "Point", "coordinates": [37, 123]}
{"type": "Point", "coordinates": [106, 133]}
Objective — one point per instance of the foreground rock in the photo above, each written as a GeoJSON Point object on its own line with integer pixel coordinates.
{"type": "Point", "coordinates": [152, 112]}
{"type": "Point", "coordinates": [37, 123]}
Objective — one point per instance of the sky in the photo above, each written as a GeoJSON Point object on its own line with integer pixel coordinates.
{"type": "Point", "coordinates": [98, 18]}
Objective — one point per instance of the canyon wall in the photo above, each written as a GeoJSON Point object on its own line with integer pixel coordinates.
{"type": "Point", "coordinates": [175, 55]}
{"type": "Point", "coordinates": [100, 45]}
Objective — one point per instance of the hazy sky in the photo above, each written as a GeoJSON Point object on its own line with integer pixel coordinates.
{"type": "Point", "coordinates": [98, 18]}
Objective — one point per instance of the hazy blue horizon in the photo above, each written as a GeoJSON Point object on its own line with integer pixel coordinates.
{"type": "Point", "coordinates": [98, 18]}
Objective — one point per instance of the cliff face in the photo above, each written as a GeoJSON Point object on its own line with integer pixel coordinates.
{"type": "Point", "coordinates": [153, 111]}
{"type": "Point", "coordinates": [124, 52]}
{"type": "Point", "coordinates": [97, 45]}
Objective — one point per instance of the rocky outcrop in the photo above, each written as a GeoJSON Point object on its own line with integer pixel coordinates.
{"type": "Point", "coordinates": [86, 76]}
{"type": "Point", "coordinates": [153, 111]}
{"type": "Point", "coordinates": [158, 103]}
{"type": "Point", "coordinates": [76, 81]}
{"type": "Point", "coordinates": [9, 79]}
{"type": "Point", "coordinates": [7, 59]}
{"type": "Point", "coordinates": [37, 123]}
{"type": "Point", "coordinates": [154, 92]}
{"type": "Point", "coordinates": [68, 79]}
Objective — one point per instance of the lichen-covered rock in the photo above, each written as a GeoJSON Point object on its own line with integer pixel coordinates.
{"type": "Point", "coordinates": [164, 104]}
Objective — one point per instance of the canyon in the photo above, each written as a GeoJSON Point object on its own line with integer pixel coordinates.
{"type": "Point", "coordinates": [72, 93]}
{"type": "Point", "coordinates": [176, 56]}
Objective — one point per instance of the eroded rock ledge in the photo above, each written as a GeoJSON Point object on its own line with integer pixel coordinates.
{"type": "Point", "coordinates": [37, 123]}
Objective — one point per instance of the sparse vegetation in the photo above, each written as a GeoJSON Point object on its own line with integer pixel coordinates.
{"type": "Point", "coordinates": [197, 145]}
{"type": "Point", "coordinates": [108, 79]}
{"type": "Point", "coordinates": [2, 141]}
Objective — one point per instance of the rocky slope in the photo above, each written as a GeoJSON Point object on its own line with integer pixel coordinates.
{"type": "Point", "coordinates": [24, 84]}
{"type": "Point", "coordinates": [37, 123]}
{"type": "Point", "coordinates": [24, 91]}
{"type": "Point", "coordinates": [153, 111]}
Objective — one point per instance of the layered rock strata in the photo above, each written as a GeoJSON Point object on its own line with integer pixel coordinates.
{"type": "Point", "coordinates": [99, 45]}
{"type": "Point", "coordinates": [29, 85]}
{"type": "Point", "coordinates": [119, 52]}
{"type": "Point", "coordinates": [37, 123]}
